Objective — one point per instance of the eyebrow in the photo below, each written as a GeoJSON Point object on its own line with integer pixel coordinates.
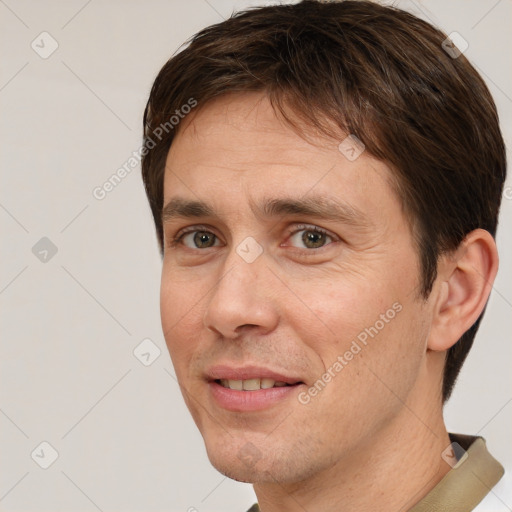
{"type": "Point", "coordinates": [320, 207]}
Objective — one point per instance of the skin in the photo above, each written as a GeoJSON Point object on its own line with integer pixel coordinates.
{"type": "Point", "coordinates": [295, 309]}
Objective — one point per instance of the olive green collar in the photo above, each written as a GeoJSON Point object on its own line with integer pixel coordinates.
{"type": "Point", "coordinates": [474, 473]}
{"type": "Point", "coordinates": [472, 477]}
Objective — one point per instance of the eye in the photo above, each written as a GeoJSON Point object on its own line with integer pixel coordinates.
{"type": "Point", "coordinates": [310, 237]}
{"type": "Point", "coordinates": [196, 239]}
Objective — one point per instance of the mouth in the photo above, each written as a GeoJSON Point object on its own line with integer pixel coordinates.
{"type": "Point", "coordinates": [250, 388]}
{"type": "Point", "coordinates": [253, 384]}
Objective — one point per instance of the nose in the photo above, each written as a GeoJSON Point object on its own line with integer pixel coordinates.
{"type": "Point", "coordinates": [242, 299]}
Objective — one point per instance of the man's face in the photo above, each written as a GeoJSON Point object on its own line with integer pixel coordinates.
{"type": "Point", "coordinates": [260, 289]}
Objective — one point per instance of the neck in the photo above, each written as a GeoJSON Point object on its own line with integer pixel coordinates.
{"type": "Point", "coordinates": [392, 471]}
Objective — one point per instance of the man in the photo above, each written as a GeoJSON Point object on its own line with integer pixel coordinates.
{"type": "Point", "coordinates": [325, 180]}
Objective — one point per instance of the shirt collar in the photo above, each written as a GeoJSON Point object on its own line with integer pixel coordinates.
{"type": "Point", "coordinates": [474, 473]}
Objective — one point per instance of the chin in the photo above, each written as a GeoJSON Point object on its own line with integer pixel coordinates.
{"type": "Point", "coordinates": [244, 462]}
{"type": "Point", "coordinates": [237, 459]}
{"type": "Point", "coordinates": [257, 474]}
{"type": "Point", "coordinates": [240, 474]}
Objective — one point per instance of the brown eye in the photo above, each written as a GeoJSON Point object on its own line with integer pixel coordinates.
{"type": "Point", "coordinates": [203, 239]}
{"type": "Point", "coordinates": [198, 239]}
{"type": "Point", "coordinates": [313, 239]}
{"type": "Point", "coordinates": [310, 238]}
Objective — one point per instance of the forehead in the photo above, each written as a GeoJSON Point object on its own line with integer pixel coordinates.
{"type": "Point", "coordinates": [236, 149]}
{"type": "Point", "coordinates": [246, 124]}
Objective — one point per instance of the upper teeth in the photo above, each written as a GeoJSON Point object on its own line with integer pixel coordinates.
{"type": "Point", "coordinates": [251, 384]}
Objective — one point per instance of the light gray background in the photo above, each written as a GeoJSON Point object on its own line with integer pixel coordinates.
{"type": "Point", "coordinates": [70, 325]}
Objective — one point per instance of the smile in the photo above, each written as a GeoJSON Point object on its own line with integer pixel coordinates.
{"type": "Point", "coordinates": [251, 384]}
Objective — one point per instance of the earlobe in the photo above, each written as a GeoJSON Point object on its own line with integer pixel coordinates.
{"type": "Point", "coordinates": [465, 280]}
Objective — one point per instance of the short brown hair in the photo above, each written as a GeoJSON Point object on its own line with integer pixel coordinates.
{"type": "Point", "coordinates": [374, 71]}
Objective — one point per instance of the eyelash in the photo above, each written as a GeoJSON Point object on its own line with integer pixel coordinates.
{"type": "Point", "coordinates": [180, 234]}
{"type": "Point", "coordinates": [290, 232]}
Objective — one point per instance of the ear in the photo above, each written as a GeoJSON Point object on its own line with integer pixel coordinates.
{"type": "Point", "coordinates": [464, 282]}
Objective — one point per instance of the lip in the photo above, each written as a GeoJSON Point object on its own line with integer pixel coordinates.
{"type": "Point", "coordinates": [232, 372]}
{"type": "Point", "coordinates": [247, 401]}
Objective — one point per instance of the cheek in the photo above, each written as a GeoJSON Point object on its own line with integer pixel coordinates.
{"type": "Point", "coordinates": [342, 309]}
{"type": "Point", "coordinates": [180, 303]}
{"type": "Point", "coordinates": [359, 387]}
{"type": "Point", "coordinates": [376, 326]}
